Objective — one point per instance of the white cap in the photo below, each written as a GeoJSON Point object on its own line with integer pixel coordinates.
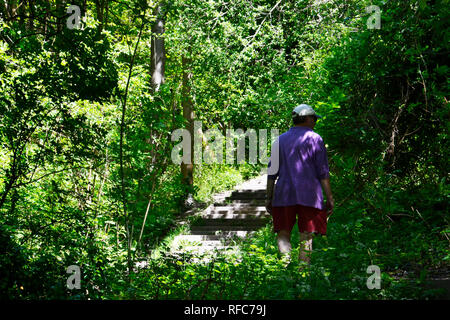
{"type": "Point", "coordinates": [304, 110]}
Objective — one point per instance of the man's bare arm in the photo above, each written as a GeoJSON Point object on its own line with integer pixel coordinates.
{"type": "Point", "coordinates": [327, 190]}
{"type": "Point", "coordinates": [270, 186]}
{"type": "Point", "coordinates": [269, 194]}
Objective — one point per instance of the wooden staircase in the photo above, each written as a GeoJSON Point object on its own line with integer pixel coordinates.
{"type": "Point", "coordinates": [233, 216]}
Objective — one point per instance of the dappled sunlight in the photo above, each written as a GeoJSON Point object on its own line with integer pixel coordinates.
{"type": "Point", "coordinates": [116, 181]}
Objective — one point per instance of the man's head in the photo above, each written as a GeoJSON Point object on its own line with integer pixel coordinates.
{"type": "Point", "coordinates": [304, 115]}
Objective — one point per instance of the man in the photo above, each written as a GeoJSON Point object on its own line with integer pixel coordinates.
{"type": "Point", "coordinates": [302, 171]}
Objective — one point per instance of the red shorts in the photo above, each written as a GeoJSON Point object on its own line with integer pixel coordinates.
{"type": "Point", "coordinates": [309, 219]}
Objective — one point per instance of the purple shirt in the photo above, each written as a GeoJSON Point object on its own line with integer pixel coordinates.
{"type": "Point", "coordinates": [303, 163]}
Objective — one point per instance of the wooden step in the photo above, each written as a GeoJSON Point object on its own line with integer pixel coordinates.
{"type": "Point", "coordinates": [200, 229]}
{"type": "Point", "coordinates": [242, 216]}
{"type": "Point", "coordinates": [201, 240]}
{"type": "Point", "coordinates": [222, 233]}
{"type": "Point", "coordinates": [241, 202]}
{"type": "Point", "coordinates": [204, 250]}
{"type": "Point", "coordinates": [210, 236]}
{"type": "Point", "coordinates": [236, 209]}
{"type": "Point", "coordinates": [232, 222]}
{"type": "Point", "coordinates": [249, 191]}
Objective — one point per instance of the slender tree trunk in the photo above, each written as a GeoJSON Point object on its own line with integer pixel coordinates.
{"type": "Point", "coordinates": [13, 176]}
{"type": "Point", "coordinates": [158, 53]}
{"type": "Point", "coordinates": [45, 26]}
{"type": "Point", "coordinates": [60, 12]}
{"type": "Point", "coordinates": [12, 6]}
{"type": "Point", "coordinates": [188, 113]}
{"type": "Point", "coordinates": [100, 7]}
{"type": "Point", "coordinates": [105, 19]}
{"type": "Point", "coordinates": [32, 13]}
{"type": "Point", "coordinates": [6, 191]}
{"type": "Point", "coordinates": [22, 13]}
{"type": "Point", "coordinates": [3, 8]}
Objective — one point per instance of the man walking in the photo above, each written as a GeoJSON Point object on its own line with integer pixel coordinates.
{"type": "Point", "coordinates": [299, 161]}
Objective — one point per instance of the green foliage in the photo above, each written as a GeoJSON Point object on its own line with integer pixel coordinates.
{"type": "Point", "coordinates": [78, 186]}
{"type": "Point", "coordinates": [214, 178]}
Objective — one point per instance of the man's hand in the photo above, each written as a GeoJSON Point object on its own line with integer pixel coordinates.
{"type": "Point", "coordinates": [330, 201]}
{"type": "Point", "coordinates": [329, 206]}
{"type": "Point", "coordinates": [269, 205]}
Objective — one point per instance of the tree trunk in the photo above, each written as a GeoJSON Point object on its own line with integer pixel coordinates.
{"type": "Point", "coordinates": [100, 7]}
{"type": "Point", "coordinates": [12, 5]}
{"type": "Point", "coordinates": [22, 14]}
{"type": "Point", "coordinates": [105, 19]}
{"type": "Point", "coordinates": [32, 14]}
{"type": "Point", "coordinates": [188, 113]}
{"type": "Point", "coordinates": [60, 12]}
{"type": "Point", "coordinates": [158, 53]}
{"type": "Point", "coordinates": [3, 8]}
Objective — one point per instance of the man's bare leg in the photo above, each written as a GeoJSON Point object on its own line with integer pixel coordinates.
{"type": "Point", "coordinates": [305, 247]}
{"type": "Point", "coordinates": [284, 241]}
{"type": "Point", "coordinates": [284, 246]}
